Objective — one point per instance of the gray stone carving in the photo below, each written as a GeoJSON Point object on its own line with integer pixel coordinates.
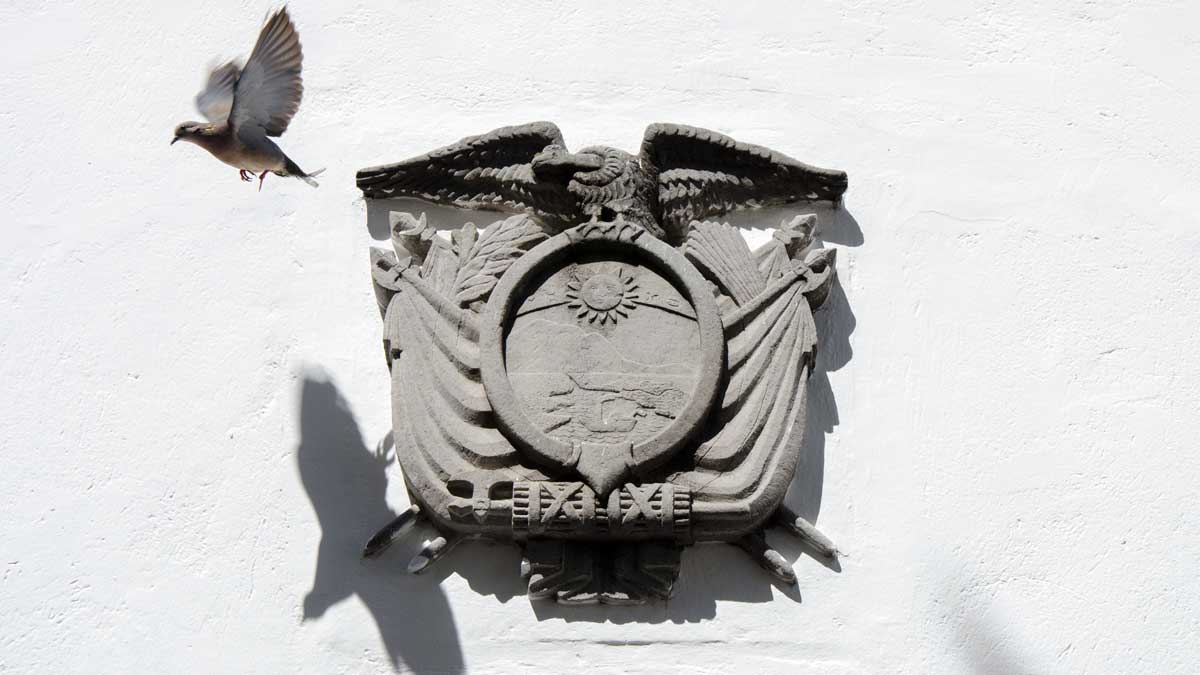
{"type": "Point", "coordinates": [682, 174]}
{"type": "Point", "coordinates": [604, 377]}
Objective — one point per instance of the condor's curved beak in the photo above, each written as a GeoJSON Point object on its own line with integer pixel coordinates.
{"type": "Point", "coordinates": [556, 161]}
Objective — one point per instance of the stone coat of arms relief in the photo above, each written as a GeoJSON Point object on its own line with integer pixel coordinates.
{"type": "Point", "coordinates": [611, 374]}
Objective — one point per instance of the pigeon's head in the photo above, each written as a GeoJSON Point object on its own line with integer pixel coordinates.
{"type": "Point", "coordinates": [188, 131]}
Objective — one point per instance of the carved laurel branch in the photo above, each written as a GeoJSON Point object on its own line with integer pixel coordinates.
{"type": "Point", "coordinates": [492, 254]}
{"type": "Point", "coordinates": [465, 268]}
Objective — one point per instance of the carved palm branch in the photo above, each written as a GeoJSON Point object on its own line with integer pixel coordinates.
{"type": "Point", "coordinates": [491, 171]}
{"type": "Point", "coordinates": [490, 256]}
{"type": "Point", "coordinates": [703, 173]}
{"type": "Point", "coordinates": [771, 342]}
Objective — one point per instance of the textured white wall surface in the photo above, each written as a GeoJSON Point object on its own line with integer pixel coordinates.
{"type": "Point", "coordinates": [1004, 415]}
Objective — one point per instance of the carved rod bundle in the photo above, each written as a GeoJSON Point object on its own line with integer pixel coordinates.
{"type": "Point", "coordinates": [571, 511]}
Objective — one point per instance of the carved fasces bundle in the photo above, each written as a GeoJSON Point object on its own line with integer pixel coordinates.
{"type": "Point", "coordinates": [572, 510]}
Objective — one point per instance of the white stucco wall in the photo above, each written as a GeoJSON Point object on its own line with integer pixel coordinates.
{"type": "Point", "coordinates": [1007, 387]}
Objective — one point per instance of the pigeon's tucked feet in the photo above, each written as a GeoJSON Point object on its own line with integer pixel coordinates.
{"type": "Point", "coordinates": [260, 179]}
{"type": "Point", "coordinates": [247, 176]}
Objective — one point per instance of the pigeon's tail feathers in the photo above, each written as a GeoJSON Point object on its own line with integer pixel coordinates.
{"type": "Point", "coordinates": [308, 177]}
{"type": "Point", "coordinates": [294, 169]}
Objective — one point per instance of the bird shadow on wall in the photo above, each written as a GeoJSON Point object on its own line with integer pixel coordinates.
{"type": "Point", "coordinates": [985, 631]}
{"type": "Point", "coordinates": [347, 482]}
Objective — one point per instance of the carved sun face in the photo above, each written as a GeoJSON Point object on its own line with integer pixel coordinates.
{"type": "Point", "coordinates": [603, 294]}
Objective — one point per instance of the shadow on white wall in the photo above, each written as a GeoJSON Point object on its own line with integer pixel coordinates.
{"type": "Point", "coordinates": [346, 483]}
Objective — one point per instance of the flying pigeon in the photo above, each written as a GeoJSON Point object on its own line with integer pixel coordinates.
{"type": "Point", "coordinates": [246, 105]}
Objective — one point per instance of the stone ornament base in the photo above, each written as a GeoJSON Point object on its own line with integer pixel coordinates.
{"type": "Point", "coordinates": [605, 377]}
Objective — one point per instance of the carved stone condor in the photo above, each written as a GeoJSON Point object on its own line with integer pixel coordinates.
{"type": "Point", "coordinates": [682, 174]}
{"type": "Point", "coordinates": [610, 392]}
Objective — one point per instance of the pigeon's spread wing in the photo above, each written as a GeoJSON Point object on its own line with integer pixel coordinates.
{"type": "Point", "coordinates": [490, 171]}
{"type": "Point", "coordinates": [703, 174]}
{"type": "Point", "coordinates": [215, 101]}
{"type": "Point", "coordinates": [268, 92]}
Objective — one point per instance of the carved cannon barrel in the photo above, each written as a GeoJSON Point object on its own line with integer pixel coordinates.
{"type": "Point", "coordinates": [571, 511]}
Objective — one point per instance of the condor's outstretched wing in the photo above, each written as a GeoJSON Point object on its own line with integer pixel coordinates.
{"type": "Point", "coordinates": [490, 171]}
{"type": "Point", "coordinates": [703, 173]}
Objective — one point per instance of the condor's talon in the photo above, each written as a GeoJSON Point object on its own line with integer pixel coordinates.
{"type": "Point", "coordinates": [643, 571]}
{"type": "Point", "coordinates": [433, 550]}
{"type": "Point", "coordinates": [569, 577]}
{"type": "Point", "coordinates": [806, 532]}
{"type": "Point", "coordinates": [245, 175]}
{"type": "Point", "coordinates": [389, 533]}
{"type": "Point", "coordinates": [562, 584]}
{"type": "Point", "coordinates": [562, 570]}
{"type": "Point", "coordinates": [771, 560]}
{"type": "Point", "coordinates": [581, 597]}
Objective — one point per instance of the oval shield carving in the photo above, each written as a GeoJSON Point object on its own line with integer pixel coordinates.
{"type": "Point", "coordinates": [601, 352]}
